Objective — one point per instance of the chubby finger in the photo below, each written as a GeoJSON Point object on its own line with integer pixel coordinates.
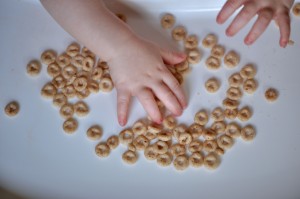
{"type": "Point", "coordinates": [172, 58]}
{"type": "Point", "coordinates": [264, 18]}
{"type": "Point", "coordinates": [284, 24]}
{"type": "Point", "coordinates": [123, 100]}
{"type": "Point", "coordinates": [228, 9]}
{"type": "Point", "coordinates": [244, 16]}
{"type": "Point", "coordinates": [146, 98]}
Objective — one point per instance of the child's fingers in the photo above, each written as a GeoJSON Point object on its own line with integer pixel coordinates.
{"type": "Point", "coordinates": [123, 100]}
{"type": "Point", "coordinates": [147, 100]}
{"type": "Point", "coordinates": [172, 58]}
{"type": "Point", "coordinates": [244, 16]}
{"type": "Point", "coordinates": [262, 22]}
{"type": "Point", "coordinates": [228, 9]}
{"type": "Point", "coordinates": [283, 21]}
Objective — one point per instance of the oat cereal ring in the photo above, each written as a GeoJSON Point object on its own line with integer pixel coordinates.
{"type": "Point", "coordinates": [33, 67]}
{"type": "Point", "coordinates": [106, 84]}
{"type": "Point", "coordinates": [250, 86]}
{"type": "Point", "coordinates": [94, 132]}
{"type": "Point", "coordinates": [63, 60]}
{"type": "Point", "coordinates": [209, 41]}
{"type": "Point", "coordinates": [102, 150]}
{"type": "Point", "coordinates": [59, 99]}
{"type": "Point", "coordinates": [48, 57]}
{"type": "Point", "coordinates": [196, 159]}
{"type": "Point", "coordinates": [218, 51]}
{"type": "Point", "coordinates": [195, 146]}
{"type": "Point", "coordinates": [213, 63]}
{"type": "Point", "coordinates": [230, 104]}
{"type": "Point", "coordinates": [248, 133]}
{"type": "Point", "coordinates": [87, 53]}
{"type": "Point", "coordinates": [165, 159]}
{"type": "Point", "coordinates": [209, 134]}
{"type": "Point", "coordinates": [77, 61]}
{"type": "Point", "coordinates": [67, 111]}
{"type": "Point", "coordinates": [69, 91]}
{"type": "Point", "coordinates": [212, 85]}
{"type": "Point", "coordinates": [244, 114]}
{"type": "Point", "coordinates": [69, 71]}
{"type": "Point", "coordinates": [181, 162]}
{"type": "Point", "coordinates": [59, 81]}
{"type": "Point", "coordinates": [82, 73]}
{"type": "Point", "coordinates": [195, 130]}
{"type": "Point", "coordinates": [234, 93]}
{"type": "Point", "coordinates": [140, 142]}
{"type": "Point", "coordinates": [169, 122]}
{"type": "Point", "coordinates": [48, 90]}
{"type": "Point", "coordinates": [130, 157]}
{"type": "Point", "coordinates": [177, 149]}
{"type": "Point", "coordinates": [153, 128]}
{"type": "Point", "coordinates": [178, 130]}
{"type": "Point", "coordinates": [210, 145]}
{"type": "Point", "coordinates": [70, 125]}
{"type": "Point", "coordinates": [296, 9]}
{"type": "Point", "coordinates": [219, 127]}
{"type": "Point", "coordinates": [97, 73]}
{"type": "Point", "coordinates": [185, 138]}
{"type": "Point", "coordinates": [271, 94]}
{"type": "Point", "coordinates": [71, 80]}
{"type": "Point", "coordinates": [81, 108]}
{"type": "Point", "coordinates": [53, 69]}
{"type": "Point", "coordinates": [164, 136]}
{"type": "Point", "coordinates": [88, 64]}
{"type": "Point", "coordinates": [218, 114]}
{"type": "Point", "coordinates": [183, 66]}
{"type": "Point", "coordinates": [225, 141]}
{"type": "Point", "coordinates": [231, 113]}
{"type": "Point", "coordinates": [131, 147]}
{"type": "Point", "coordinates": [150, 153]}
{"type": "Point", "coordinates": [212, 161]}
{"type": "Point", "coordinates": [179, 78]}
{"type": "Point", "coordinates": [220, 151]}
{"type": "Point", "coordinates": [126, 136]}
{"type": "Point", "coordinates": [235, 80]}
{"type": "Point", "coordinates": [93, 86]}
{"type": "Point", "coordinates": [179, 33]}
{"type": "Point", "coordinates": [102, 64]}
{"type": "Point", "coordinates": [113, 142]}
{"type": "Point", "coordinates": [73, 49]}
{"type": "Point", "coordinates": [248, 72]}
{"type": "Point", "coordinates": [161, 147]}
{"type": "Point", "coordinates": [194, 56]}
{"type": "Point", "coordinates": [167, 21]}
{"type": "Point", "coordinates": [80, 83]}
{"type": "Point", "coordinates": [139, 128]}
{"type": "Point", "coordinates": [122, 17]}
{"type": "Point", "coordinates": [83, 94]}
{"type": "Point", "coordinates": [233, 130]}
{"type": "Point", "coordinates": [191, 42]}
{"type": "Point", "coordinates": [201, 118]}
{"type": "Point", "coordinates": [12, 109]}
{"type": "Point", "coordinates": [291, 42]}
{"type": "Point", "coordinates": [231, 59]}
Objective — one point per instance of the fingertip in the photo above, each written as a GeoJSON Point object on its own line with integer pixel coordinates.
{"type": "Point", "coordinates": [229, 32]}
{"type": "Point", "coordinates": [283, 43]}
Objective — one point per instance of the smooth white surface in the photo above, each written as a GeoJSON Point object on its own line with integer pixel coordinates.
{"type": "Point", "coordinates": [38, 160]}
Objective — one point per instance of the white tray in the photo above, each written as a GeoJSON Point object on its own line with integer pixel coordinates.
{"type": "Point", "coordinates": [39, 160]}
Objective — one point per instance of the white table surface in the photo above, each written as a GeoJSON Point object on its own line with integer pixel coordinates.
{"type": "Point", "coordinates": [39, 160]}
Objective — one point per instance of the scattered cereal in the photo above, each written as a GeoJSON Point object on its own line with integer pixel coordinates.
{"type": "Point", "coordinates": [167, 21]}
{"type": "Point", "coordinates": [212, 85]}
{"type": "Point", "coordinates": [12, 108]}
{"type": "Point", "coordinates": [271, 94]}
{"type": "Point", "coordinates": [33, 68]}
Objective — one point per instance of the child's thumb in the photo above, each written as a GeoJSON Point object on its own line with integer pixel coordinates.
{"type": "Point", "coordinates": [172, 58]}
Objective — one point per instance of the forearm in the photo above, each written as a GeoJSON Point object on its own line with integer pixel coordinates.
{"type": "Point", "coordinates": [91, 23]}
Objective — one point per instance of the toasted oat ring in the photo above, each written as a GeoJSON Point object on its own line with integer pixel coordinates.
{"type": "Point", "coordinates": [87, 53]}
{"type": "Point", "coordinates": [113, 142]}
{"type": "Point", "coordinates": [191, 42]}
{"type": "Point", "coordinates": [12, 109]}
{"type": "Point", "coordinates": [271, 94]}
{"type": "Point", "coordinates": [181, 162]}
{"type": "Point", "coordinates": [195, 130]}
{"type": "Point", "coordinates": [102, 150]}
{"type": "Point", "coordinates": [212, 161]}
{"type": "Point", "coordinates": [67, 111]}
{"type": "Point", "coordinates": [178, 77]}
{"type": "Point", "coordinates": [59, 81]}
{"type": "Point", "coordinates": [70, 125]}
{"type": "Point", "coordinates": [97, 73]}
{"type": "Point", "coordinates": [153, 128]}
{"type": "Point", "coordinates": [33, 67]}
{"type": "Point", "coordinates": [250, 86]}
{"type": "Point", "coordinates": [88, 64]}
{"type": "Point", "coordinates": [77, 61]}
{"type": "Point", "coordinates": [209, 41]}
{"type": "Point", "coordinates": [218, 114]}
{"type": "Point", "coordinates": [161, 147]}
{"type": "Point", "coordinates": [230, 104]}
{"type": "Point", "coordinates": [130, 157]}
{"type": "Point", "coordinates": [81, 108]}
{"type": "Point", "coordinates": [93, 86]}
{"type": "Point", "coordinates": [220, 151]}
{"type": "Point", "coordinates": [53, 69]}
{"type": "Point", "coordinates": [59, 99]}
{"type": "Point", "coordinates": [183, 66]}
{"type": "Point", "coordinates": [244, 114]}
{"type": "Point", "coordinates": [196, 159]}
{"type": "Point", "coordinates": [179, 33]}
{"type": "Point", "coordinates": [296, 9]}
{"type": "Point", "coordinates": [213, 63]}
{"type": "Point", "coordinates": [248, 133]}
{"type": "Point", "coordinates": [80, 83]}
{"type": "Point", "coordinates": [48, 90]}
{"type": "Point", "coordinates": [69, 91]}
{"type": "Point", "coordinates": [212, 85]}
{"type": "Point", "coordinates": [169, 122]}
{"type": "Point", "coordinates": [201, 118]}
{"type": "Point", "coordinates": [209, 134]}
{"type": "Point", "coordinates": [210, 145]}
{"type": "Point", "coordinates": [165, 159]}
{"type": "Point", "coordinates": [73, 49]}
{"type": "Point", "coordinates": [106, 84]}
{"type": "Point", "coordinates": [83, 94]}
{"type": "Point", "coordinates": [63, 60]}
{"type": "Point", "coordinates": [234, 93]}
{"type": "Point", "coordinates": [219, 126]}
{"type": "Point", "coordinates": [185, 138]}
{"type": "Point", "coordinates": [69, 71]}
{"type": "Point", "coordinates": [248, 71]}
{"type": "Point", "coordinates": [126, 136]}
{"type": "Point", "coordinates": [102, 64]}
{"type": "Point", "coordinates": [231, 113]}
{"type": "Point", "coordinates": [231, 59]}
{"type": "Point", "coordinates": [233, 130]}
{"type": "Point", "coordinates": [140, 142]}
{"type": "Point", "coordinates": [235, 80]}
{"type": "Point", "coordinates": [195, 146]}
{"type": "Point", "coordinates": [218, 51]}
{"type": "Point", "coordinates": [225, 141]}
{"type": "Point", "coordinates": [94, 132]}
{"type": "Point", "coordinates": [167, 21]}
{"type": "Point", "coordinates": [194, 56]}
{"type": "Point", "coordinates": [178, 130]}
{"type": "Point", "coordinates": [48, 57]}
{"type": "Point", "coordinates": [150, 153]}
{"type": "Point", "coordinates": [131, 147]}
{"type": "Point", "coordinates": [139, 128]}
{"type": "Point", "coordinates": [164, 136]}
{"type": "Point", "coordinates": [177, 149]}
{"type": "Point", "coordinates": [150, 135]}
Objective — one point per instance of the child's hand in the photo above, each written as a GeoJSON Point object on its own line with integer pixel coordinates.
{"type": "Point", "coordinates": [138, 69]}
{"type": "Point", "coordinates": [266, 10]}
